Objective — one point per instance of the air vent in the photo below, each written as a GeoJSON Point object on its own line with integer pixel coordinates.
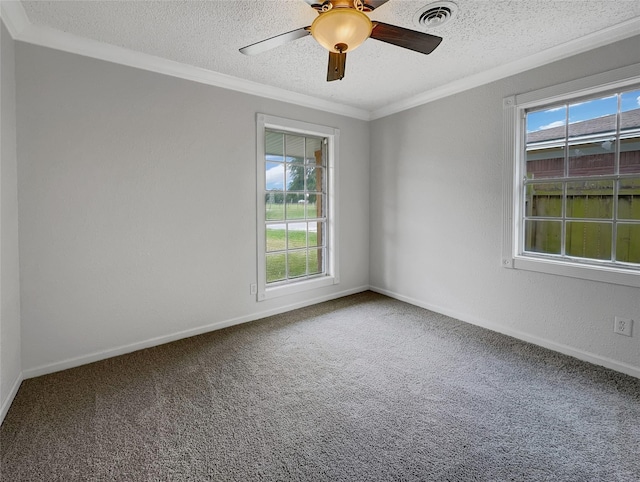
{"type": "Point", "coordinates": [435, 14]}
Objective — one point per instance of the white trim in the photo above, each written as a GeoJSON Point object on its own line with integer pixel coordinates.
{"type": "Point", "coordinates": [21, 29]}
{"type": "Point", "coordinates": [513, 117]}
{"type": "Point", "coordinates": [332, 135]}
{"type": "Point", "coordinates": [591, 272]}
{"type": "Point", "coordinates": [543, 342]}
{"type": "Point", "coordinates": [56, 39]}
{"type": "Point", "coordinates": [594, 40]}
{"type": "Point", "coordinates": [159, 340]}
{"type": "Point", "coordinates": [509, 120]}
{"type": "Point", "coordinates": [121, 350]}
{"type": "Point", "coordinates": [6, 404]}
{"type": "Point", "coordinates": [14, 17]}
{"type": "Point", "coordinates": [611, 79]}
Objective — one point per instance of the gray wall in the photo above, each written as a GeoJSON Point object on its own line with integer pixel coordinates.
{"type": "Point", "coordinates": [436, 221]}
{"type": "Point", "coordinates": [138, 207]}
{"type": "Point", "coordinates": [137, 212]}
{"type": "Point", "coordinates": [9, 269]}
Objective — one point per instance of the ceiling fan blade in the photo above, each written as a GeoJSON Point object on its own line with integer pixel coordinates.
{"type": "Point", "coordinates": [375, 3]}
{"type": "Point", "coordinates": [402, 37]}
{"type": "Point", "coordinates": [337, 62]}
{"type": "Point", "coordinates": [273, 42]}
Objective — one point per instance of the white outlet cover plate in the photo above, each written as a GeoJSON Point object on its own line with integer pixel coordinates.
{"type": "Point", "coordinates": [625, 329]}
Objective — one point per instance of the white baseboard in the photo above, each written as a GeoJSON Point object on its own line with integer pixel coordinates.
{"type": "Point", "coordinates": [121, 350]}
{"type": "Point", "coordinates": [9, 399]}
{"type": "Point", "coordinates": [551, 345]}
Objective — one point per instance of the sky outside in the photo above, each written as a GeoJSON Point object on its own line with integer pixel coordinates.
{"type": "Point", "coordinates": [555, 117]}
{"type": "Point", "coordinates": [274, 175]}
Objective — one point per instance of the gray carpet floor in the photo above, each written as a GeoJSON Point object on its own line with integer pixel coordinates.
{"type": "Point", "coordinates": [364, 388]}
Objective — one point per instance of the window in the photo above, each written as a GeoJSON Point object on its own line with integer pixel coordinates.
{"type": "Point", "coordinates": [574, 206]}
{"type": "Point", "coordinates": [296, 206]}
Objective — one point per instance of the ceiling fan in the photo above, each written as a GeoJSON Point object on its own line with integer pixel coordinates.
{"type": "Point", "coordinates": [341, 27]}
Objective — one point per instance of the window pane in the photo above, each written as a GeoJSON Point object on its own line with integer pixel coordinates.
{"type": "Point", "coordinates": [628, 243]}
{"type": "Point", "coordinates": [629, 199]}
{"type": "Point", "coordinates": [630, 132]}
{"type": "Point", "coordinates": [274, 205]}
{"type": "Point", "coordinates": [597, 116]}
{"type": "Point", "coordinates": [547, 124]}
{"type": "Point", "coordinates": [543, 236]}
{"type": "Point", "coordinates": [314, 178]}
{"type": "Point", "coordinates": [294, 148]}
{"type": "Point", "coordinates": [630, 155]}
{"type": "Point", "coordinates": [275, 267]}
{"type": "Point", "coordinates": [274, 146]}
{"type": "Point", "coordinates": [592, 158]}
{"type": "Point", "coordinates": [544, 200]}
{"type": "Point", "coordinates": [296, 235]}
{"type": "Point", "coordinates": [316, 261]}
{"type": "Point", "coordinates": [295, 177]}
{"type": "Point", "coordinates": [274, 176]}
{"type": "Point", "coordinates": [587, 119]}
{"type": "Point", "coordinates": [315, 208]}
{"type": "Point", "coordinates": [629, 107]}
{"type": "Point", "coordinates": [546, 133]}
{"type": "Point", "coordinates": [316, 234]}
{"type": "Point", "coordinates": [588, 240]}
{"type": "Point", "coordinates": [547, 162]}
{"type": "Point", "coordinates": [314, 151]}
{"type": "Point", "coordinates": [275, 237]}
{"type": "Point", "coordinates": [295, 206]}
{"type": "Point", "coordinates": [590, 199]}
{"type": "Point", "coordinates": [297, 263]}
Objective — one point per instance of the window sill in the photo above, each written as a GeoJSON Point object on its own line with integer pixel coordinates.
{"type": "Point", "coordinates": [604, 274]}
{"type": "Point", "coordinates": [296, 287]}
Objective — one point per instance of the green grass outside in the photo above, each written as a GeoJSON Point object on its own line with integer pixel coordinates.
{"type": "Point", "coordinates": [294, 211]}
{"type": "Point", "coordinates": [297, 260]}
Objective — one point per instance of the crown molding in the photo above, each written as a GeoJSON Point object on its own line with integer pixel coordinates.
{"type": "Point", "coordinates": [594, 40]}
{"type": "Point", "coordinates": [18, 25]}
{"type": "Point", "coordinates": [21, 29]}
{"type": "Point", "coordinates": [14, 17]}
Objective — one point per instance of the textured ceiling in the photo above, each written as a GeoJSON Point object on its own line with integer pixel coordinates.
{"type": "Point", "coordinates": [208, 34]}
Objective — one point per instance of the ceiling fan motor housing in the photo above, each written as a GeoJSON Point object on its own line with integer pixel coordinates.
{"type": "Point", "coordinates": [357, 4]}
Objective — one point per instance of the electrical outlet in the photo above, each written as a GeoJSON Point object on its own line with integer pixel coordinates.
{"type": "Point", "coordinates": [622, 326]}
{"type": "Point", "coordinates": [253, 289]}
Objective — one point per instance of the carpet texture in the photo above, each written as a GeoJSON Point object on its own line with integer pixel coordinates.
{"type": "Point", "coordinates": [364, 388]}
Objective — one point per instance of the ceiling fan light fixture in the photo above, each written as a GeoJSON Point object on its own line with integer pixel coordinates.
{"type": "Point", "coordinates": [341, 29]}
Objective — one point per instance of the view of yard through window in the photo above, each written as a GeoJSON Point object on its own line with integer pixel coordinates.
{"type": "Point", "coordinates": [295, 206]}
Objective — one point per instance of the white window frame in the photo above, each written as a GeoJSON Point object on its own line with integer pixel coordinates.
{"type": "Point", "coordinates": [331, 276]}
{"type": "Point", "coordinates": [514, 118]}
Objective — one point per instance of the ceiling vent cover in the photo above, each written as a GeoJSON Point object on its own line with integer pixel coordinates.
{"type": "Point", "coordinates": [435, 14]}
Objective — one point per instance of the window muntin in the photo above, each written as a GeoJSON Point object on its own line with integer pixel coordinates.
{"type": "Point", "coordinates": [581, 183]}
